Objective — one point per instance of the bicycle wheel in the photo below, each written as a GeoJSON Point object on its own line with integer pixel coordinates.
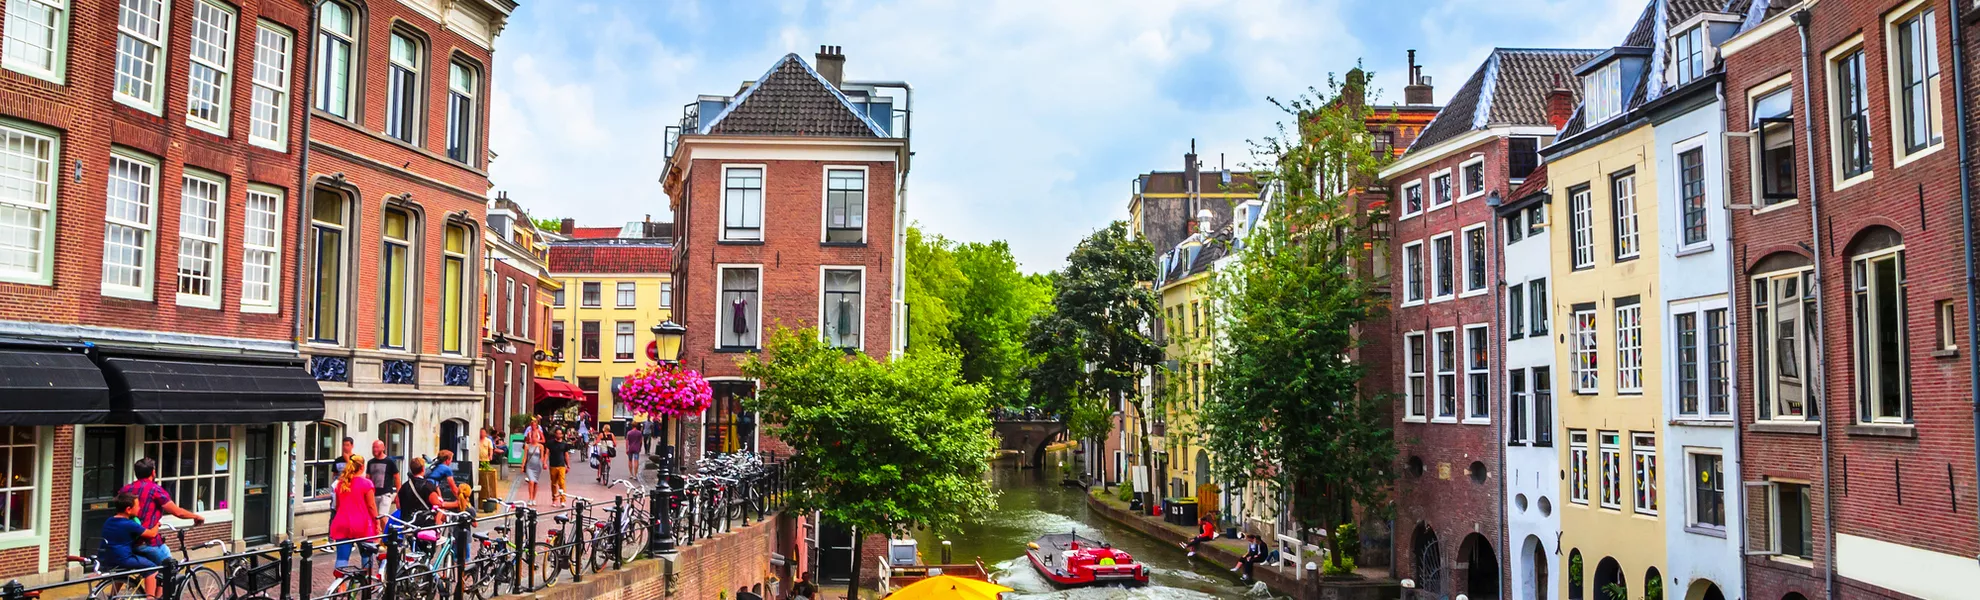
{"type": "Point", "coordinates": [415, 583]}
{"type": "Point", "coordinates": [634, 533]}
{"type": "Point", "coordinates": [201, 583]}
{"type": "Point", "coordinates": [551, 563]}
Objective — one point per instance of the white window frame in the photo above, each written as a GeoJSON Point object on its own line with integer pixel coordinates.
{"type": "Point", "coordinates": [322, 66]}
{"type": "Point", "coordinates": [1444, 381]}
{"type": "Point", "coordinates": [861, 324]}
{"type": "Point", "coordinates": [1416, 408]}
{"type": "Point", "coordinates": [1691, 518]}
{"type": "Point", "coordinates": [601, 294]}
{"type": "Point", "coordinates": [160, 63]}
{"type": "Point", "coordinates": [35, 530]}
{"type": "Point", "coordinates": [1609, 470]}
{"type": "Point", "coordinates": [272, 251]}
{"type": "Point", "coordinates": [625, 336]}
{"type": "Point", "coordinates": [1765, 373]}
{"type": "Point", "coordinates": [1629, 348]}
{"type": "Point", "coordinates": [147, 269]}
{"type": "Point", "coordinates": [57, 70]}
{"type": "Point", "coordinates": [1450, 183]}
{"type": "Point", "coordinates": [1705, 161]}
{"type": "Point", "coordinates": [508, 306]}
{"type": "Point", "coordinates": [274, 69]}
{"type": "Point", "coordinates": [763, 182]}
{"type": "Point", "coordinates": [1623, 200]}
{"type": "Point", "coordinates": [1757, 179]}
{"type": "Point", "coordinates": [225, 490]}
{"type": "Point", "coordinates": [1581, 227]}
{"type": "Point", "coordinates": [1643, 473]}
{"type": "Point", "coordinates": [1894, 67]}
{"type": "Point", "coordinates": [1437, 295]}
{"type": "Point", "coordinates": [1402, 195]}
{"type": "Point", "coordinates": [1601, 93]}
{"type": "Point", "coordinates": [1464, 181]}
{"type": "Point", "coordinates": [1865, 358]}
{"type": "Point", "coordinates": [1414, 275]}
{"type": "Point", "coordinates": [1477, 377]}
{"type": "Point", "coordinates": [524, 308]}
{"type": "Point", "coordinates": [1584, 341]}
{"type": "Point", "coordinates": [1688, 59]}
{"type": "Point", "coordinates": [1578, 466]}
{"type": "Point", "coordinates": [215, 243]}
{"type": "Point", "coordinates": [1701, 347]}
{"type": "Point", "coordinates": [625, 294]}
{"type": "Point", "coordinates": [1831, 62]}
{"type": "Point", "coordinates": [222, 62]}
{"type": "Point", "coordinates": [1466, 256]}
{"type": "Point", "coordinates": [666, 294]}
{"type": "Point", "coordinates": [825, 203]}
{"type": "Point", "coordinates": [43, 206]}
{"type": "Point", "coordinates": [756, 324]}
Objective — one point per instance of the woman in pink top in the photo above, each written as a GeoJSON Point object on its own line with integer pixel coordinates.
{"type": "Point", "coordinates": [356, 513]}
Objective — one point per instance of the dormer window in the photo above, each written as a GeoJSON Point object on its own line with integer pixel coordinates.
{"type": "Point", "coordinates": [1601, 93]}
{"type": "Point", "coordinates": [1688, 55]}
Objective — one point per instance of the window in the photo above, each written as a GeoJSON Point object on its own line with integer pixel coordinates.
{"type": "Point", "coordinates": [1413, 357]}
{"type": "Point", "coordinates": [1383, 144]}
{"type": "Point", "coordinates": [1440, 190]}
{"type": "Point", "coordinates": [1708, 491]}
{"type": "Point", "coordinates": [1611, 447]}
{"type": "Point", "coordinates": [1643, 454]}
{"type": "Point", "coordinates": [395, 280]}
{"type": "Point", "coordinates": [1877, 306]}
{"type": "Point", "coordinates": [588, 340]}
{"type": "Point", "coordinates": [1412, 194]}
{"type": "Point", "coordinates": [336, 27]}
{"type": "Point", "coordinates": [322, 442]}
{"type": "Point", "coordinates": [326, 224]}
{"type": "Point", "coordinates": [141, 31]}
{"type": "Point", "coordinates": [742, 205]}
{"type": "Point", "coordinates": [1773, 146]}
{"type": "Point", "coordinates": [1446, 373]}
{"type": "Point", "coordinates": [462, 88]}
{"type": "Point", "coordinates": [628, 293]}
{"type": "Point", "coordinates": [1543, 407]}
{"type": "Point", "coordinates": [1852, 115]}
{"type": "Point", "coordinates": [622, 341]}
{"type": "Point", "coordinates": [186, 465]}
{"type": "Point", "coordinates": [1516, 311]}
{"type": "Point", "coordinates": [557, 298]}
{"type": "Point", "coordinates": [402, 88]}
{"type": "Point", "coordinates": [1581, 227]}
{"type": "Point", "coordinates": [1522, 156]}
{"type": "Point", "coordinates": [1629, 346]}
{"type": "Point", "coordinates": [208, 91]}
{"type": "Point", "coordinates": [845, 205]}
{"type": "Point", "coordinates": [1478, 381]}
{"type": "Point", "coordinates": [1781, 335]}
{"type": "Point", "coordinates": [1778, 520]}
{"type": "Point", "coordinates": [667, 294]}
{"type": "Point", "coordinates": [130, 216]}
{"type": "Point", "coordinates": [1916, 70]}
{"type": "Point", "coordinates": [508, 305]}
{"type": "Point", "coordinates": [1622, 189]}
{"type": "Point", "coordinates": [1691, 194]}
{"type": "Point", "coordinates": [1702, 356]}
{"type": "Point", "coordinates": [1412, 272]}
{"type": "Point", "coordinates": [1686, 327]}
{"type": "Point", "coordinates": [27, 199]}
{"type": "Point", "coordinates": [1581, 351]}
{"type": "Point", "coordinates": [37, 32]}
{"type": "Point", "coordinates": [594, 296]}
{"type": "Point", "coordinates": [1516, 406]}
{"type": "Point", "coordinates": [1688, 55]}
{"type": "Point", "coordinates": [268, 111]}
{"type": "Point", "coordinates": [1536, 219]}
{"type": "Point", "coordinates": [523, 310]}
{"type": "Point", "coordinates": [398, 440]}
{"type": "Point", "coordinates": [844, 310]}
{"type": "Point", "coordinates": [1473, 175]}
{"type": "Point", "coordinates": [557, 339]}
{"type": "Point", "coordinates": [261, 250]}
{"type": "Point", "coordinates": [201, 204]}
{"type": "Point", "coordinates": [454, 284]}
{"type": "Point", "coordinates": [1578, 466]}
{"type": "Point", "coordinates": [1474, 260]}
{"type": "Point", "coordinates": [1718, 371]}
{"type": "Point", "coordinates": [1947, 328]}
{"type": "Point", "coordinates": [1515, 227]}
{"type": "Point", "coordinates": [1601, 93]}
{"type": "Point", "coordinates": [20, 447]}
{"type": "Point", "coordinates": [1443, 259]}
{"type": "Point", "coordinates": [738, 307]}
{"type": "Point", "coordinates": [1536, 291]}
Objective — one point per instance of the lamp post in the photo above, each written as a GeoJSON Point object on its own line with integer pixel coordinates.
{"type": "Point", "coordinates": [666, 350]}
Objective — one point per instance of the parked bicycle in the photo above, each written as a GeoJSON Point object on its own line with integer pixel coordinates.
{"type": "Point", "coordinates": [197, 582]}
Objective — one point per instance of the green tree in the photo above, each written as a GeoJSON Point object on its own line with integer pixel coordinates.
{"type": "Point", "coordinates": [876, 446]}
{"type": "Point", "coordinates": [1094, 345]}
{"type": "Point", "coordinates": [1289, 408]}
{"type": "Point", "coordinates": [549, 224]}
{"type": "Point", "coordinates": [970, 299]}
{"type": "Point", "coordinates": [932, 275]}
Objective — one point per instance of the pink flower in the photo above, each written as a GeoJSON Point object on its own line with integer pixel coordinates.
{"type": "Point", "coordinates": [666, 390]}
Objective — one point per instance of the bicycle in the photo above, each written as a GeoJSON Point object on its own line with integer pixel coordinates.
{"type": "Point", "coordinates": [196, 582]}
{"type": "Point", "coordinates": [352, 579]}
{"type": "Point", "coordinates": [495, 565]}
{"type": "Point", "coordinates": [127, 587]}
{"type": "Point", "coordinates": [629, 526]}
{"type": "Point", "coordinates": [554, 556]}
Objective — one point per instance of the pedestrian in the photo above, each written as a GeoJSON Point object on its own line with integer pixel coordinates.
{"type": "Point", "coordinates": [559, 449]}
{"type": "Point", "coordinates": [355, 515]}
{"type": "Point", "coordinates": [603, 450]}
{"type": "Point", "coordinates": [534, 453]}
{"type": "Point", "coordinates": [442, 474]}
{"type": "Point", "coordinates": [124, 543]}
{"type": "Point", "coordinates": [1208, 526]}
{"type": "Point", "coordinates": [350, 446]}
{"type": "Point", "coordinates": [1253, 554]}
{"type": "Point", "coordinates": [804, 589]}
{"type": "Point", "coordinates": [486, 452]}
{"type": "Point", "coordinates": [383, 471]}
{"type": "Point", "coordinates": [153, 503]}
{"type": "Point", "coordinates": [635, 442]}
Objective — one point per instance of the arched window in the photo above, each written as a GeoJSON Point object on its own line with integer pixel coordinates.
{"type": "Point", "coordinates": [1575, 575]}
{"type": "Point", "coordinates": [463, 94]}
{"type": "Point", "coordinates": [329, 221]}
{"type": "Point", "coordinates": [397, 436]}
{"type": "Point", "coordinates": [337, 27]}
{"type": "Point", "coordinates": [395, 279]}
{"type": "Point", "coordinates": [1783, 332]}
{"type": "Point", "coordinates": [321, 443]}
{"type": "Point", "coordinates": [402, 107]}
{"type": "Point", "coordinates": [1878, 323]}
{"type": "Point", "coordinates": [453, 281]}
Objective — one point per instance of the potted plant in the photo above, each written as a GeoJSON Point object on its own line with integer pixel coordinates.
{"type": "Point", "coordinates": [664, 390]}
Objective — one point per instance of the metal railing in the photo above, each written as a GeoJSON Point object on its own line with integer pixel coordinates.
{"type": "Point", "coordinates": [461, 556]}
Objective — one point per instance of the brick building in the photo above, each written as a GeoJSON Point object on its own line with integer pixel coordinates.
{"type": "Point", "coordinates": [1446, 186]}
{"type": "Point", "coordinates": [139, 135]}
{"type": "Point", "coordinates": [518, 296]}
{"type": "Point", "coordinates": [788, 200]}
{"type": "Point", "coordinates": [392, 254]}
{"type": "Point", "coordinates": [1857, 451]}
{"type": "Point", "coordinates": [615, 290]}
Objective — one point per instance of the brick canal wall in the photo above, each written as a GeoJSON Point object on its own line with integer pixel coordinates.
{"type": "Point", "coordinates": [738, 560]}
{"type": "Point", "coordinates": [1225, 552]}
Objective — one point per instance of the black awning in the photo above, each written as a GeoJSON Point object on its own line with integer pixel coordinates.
{"type": "Point", "coordinates": [161, 391]}
{"type": "Point", "coordinates": [51, 387]}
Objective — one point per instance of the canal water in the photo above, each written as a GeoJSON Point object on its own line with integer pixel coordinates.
{"type": "Point", "coordinates": [1032, 503]}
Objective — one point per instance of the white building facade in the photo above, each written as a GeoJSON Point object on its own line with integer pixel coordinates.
{"type": "Point", "coordinates": [1532, 468]}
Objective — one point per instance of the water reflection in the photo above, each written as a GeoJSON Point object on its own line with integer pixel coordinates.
{"type": "Point", "coordinates": [1032, 503]}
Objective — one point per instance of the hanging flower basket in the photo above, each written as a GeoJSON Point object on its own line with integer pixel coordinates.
{"type": "Point", "coordinates": [666, 391]}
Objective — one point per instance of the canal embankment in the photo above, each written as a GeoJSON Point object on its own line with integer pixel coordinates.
{"type": "Point", "coordinates": [1282, 579]}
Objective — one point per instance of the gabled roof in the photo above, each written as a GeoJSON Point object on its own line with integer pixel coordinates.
{"type": "Point", "coordinates": [1651, 31]}
{"type": "Point", "coordinates": [1509, 88]}
{"type": "Point", "coordinates": [611, 256]}
{"type": "Point", "coordinates": [792, 99]}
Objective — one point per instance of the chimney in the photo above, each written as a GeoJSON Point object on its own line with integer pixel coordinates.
{"type": "Point", "coordinates": [1560, 104]}
{"type": "Point", "coordinates": [1191, 173]}
{"type": "Point", "coordinates": [1356, 92]}
{"type": "Point", "coordinates": [567, 227]}
{"type": "Point", "coordinates": [832, 65]}
{"type": "Point", "coordinates": [1418, 92]}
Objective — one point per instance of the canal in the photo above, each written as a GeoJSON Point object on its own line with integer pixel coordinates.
{"type": "Point", "coordinates": [1032, 503]}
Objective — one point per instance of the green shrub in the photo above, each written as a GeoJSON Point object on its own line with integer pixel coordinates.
{"type": "Point", "coordinates": [518, 422]}
{"type": "Point", "coordinates": [1125, 493]}
{"type": "Point", "coordinates": [1346, 568]}
{"type": "Point", "coordinates": [1348, 537]}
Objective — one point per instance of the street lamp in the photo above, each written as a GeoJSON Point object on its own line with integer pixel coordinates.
{"type": "Point", "coordinates": [666, 350]}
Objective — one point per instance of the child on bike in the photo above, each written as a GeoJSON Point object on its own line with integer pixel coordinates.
{"type": "Point", "coordinates": [122, 536]}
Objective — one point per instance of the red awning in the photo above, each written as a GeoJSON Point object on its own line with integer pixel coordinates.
{"type": "Point", "coordinates": [551, 388]}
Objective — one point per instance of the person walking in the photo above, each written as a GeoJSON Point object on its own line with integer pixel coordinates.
{"type": "Point", "coordinates": [153, 503]}
{"type": "Point", "coordinates": [384, 474]}
{"type": "Point", "coordinates": [559, 454]}
{"type": "Point", "coordinates": [355, 515]}
{"type": "Point", "coordinates": [604, 449]}
{"type": "Point", "coordinates": [635, 443]}
{"type": "Point", "coordinates": [534, 452]}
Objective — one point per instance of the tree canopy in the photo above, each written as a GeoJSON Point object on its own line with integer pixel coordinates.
{"type": "Point", "coordinates": [1094, 345]}
{"type": "Point", "coordinates": [969, 299]}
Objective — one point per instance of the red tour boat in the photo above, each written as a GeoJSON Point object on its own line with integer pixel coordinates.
{"type": "Point", "coordinates": [1068, 560]}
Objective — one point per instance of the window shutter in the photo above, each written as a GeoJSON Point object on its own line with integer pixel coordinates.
{"type": "Point", "coordinates": [1759, 501]}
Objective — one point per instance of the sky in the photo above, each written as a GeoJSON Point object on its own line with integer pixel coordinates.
{"type": "Point", "coordinates": [1031, 117]}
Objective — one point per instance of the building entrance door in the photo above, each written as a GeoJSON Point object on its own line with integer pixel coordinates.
{"type": "Point", "coordinates": [835, 552]}
{"type": "Point", "coordinates": [258, 485]}
{"type": "Point", "coordinates": [103, 473]}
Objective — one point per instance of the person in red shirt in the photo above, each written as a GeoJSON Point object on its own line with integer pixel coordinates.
{"type": "Point", "coordinates": [153, 503]}
{"type": "Point", "coordinates": [1208, 524]}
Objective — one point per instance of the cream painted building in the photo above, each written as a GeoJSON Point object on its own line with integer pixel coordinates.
{"type": "Point", "coordinates": [615, 291]}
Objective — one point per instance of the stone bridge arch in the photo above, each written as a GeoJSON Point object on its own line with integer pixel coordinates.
{"type": "Point", "coordinates": [1029, 437]}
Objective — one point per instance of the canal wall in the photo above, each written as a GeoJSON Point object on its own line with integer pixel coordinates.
{"type": "Point", "coordinates": [715, 567]}
{"type": "Point", "coordinates": [1225, 552]}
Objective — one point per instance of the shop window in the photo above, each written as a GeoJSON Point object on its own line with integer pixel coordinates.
{"type": "Point", "coordinates": [193, 463]}
{"type": "Point", "coordinates": [321, 443]}
{"type": "Point", "coordinates": [20, 455]}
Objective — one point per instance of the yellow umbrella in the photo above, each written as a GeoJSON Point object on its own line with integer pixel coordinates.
{"type": "Point", "coordinates": [949, 587]}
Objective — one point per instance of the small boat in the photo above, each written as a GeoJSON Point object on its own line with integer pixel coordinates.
{"type": "Point", "coordinates": [1069, 560]}
{"type": "Point", "coordinates": [903, 576]}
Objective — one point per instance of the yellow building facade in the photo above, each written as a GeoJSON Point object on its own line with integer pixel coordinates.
{"type": "Point", "coordinates": [1603, 222]}
{"type": "Point", "coordinates": [604, 322]}
{"type": "Point", "coordinates": [1186, 318]}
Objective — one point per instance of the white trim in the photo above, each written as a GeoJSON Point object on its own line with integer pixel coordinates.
{"type": "Point", "coordinates": [1832, 91]}
{"type": "Point", "coordinates": [1417, 157]}
{"type": "Point", "coordinates": [149, 276]}
{"type": "Point", "coordinates": [159, 67]}
{"type": "Point", "coordinates": [756, 325]}
{"type": "Point", "coordinates": [1858, 353]}
{"type": "Point", "coordinates": [1766, 29]}
{"type": "Point", "coordinates": [1463, 181]}
{"type": "Point", "coordinates": [1899, 157]}
{"type": "Point", "coordinates": [1432, 291]}
{"type": "Point", "coordinates": [1705, 163]}
{"type": "Point", "coordinates": [1907, 569]}
{"type": "Point", "coordinates": [1699, 308]}
{"type": "Point", "coordinates": [230, 59]}
{"type": "Point", "coordinates": [1635, 310]}
{"type": "Point", "coordinates": [44, 273]}
{"type": "Point", "coordinates": [218, 241]}
{"type": "Point", "coordinates": [1690, 492]}
{"type": "Point", "coordinates": [1464, 260]}
{"type": "Point", "coordinates": [280, 197]}
{"type": "Point", "coordinates": [1424, 340]}
{"type": "Point", "coordinates": [862, 302]}
{"type": "Point", "coordinates": [825, 204]}
{"type": "Point", "coordinates": [1421, 274]}
{"type": "Point", "coordinates": [1467, 371]}
{"type": "Point", "coordinates": [58, 55]}
{"type": "Point", "coordinates": [282, 89]}
{"type": "Point", "coordinates": [1402, 197]}
{"type": "Point", "coordinates": [1435, 388]}
{"type": "Point", "coordinates": [1651, 479]}
{"type": "Point", "coordinates": [1755, 179]}
{"type": "Point", "coordinates": [1430, 199]}
{"type": "Point", "coordinates": [762, 200]}
{"type": "Point", "coordinates": [38, 532]}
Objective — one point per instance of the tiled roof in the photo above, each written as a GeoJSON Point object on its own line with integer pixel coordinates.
{"type": "Point", "coordinates": [1535, 183]}
{"type": "Point", "coordinates": [1509, 88]}
{"type": "Point", "coordinates": [1649, 32]}
{"type": "Point", "coordinates": [792, 99]}
{"type": "Point", "coordinates": [618, 256]}
{"type": "Point", "coordinates": [594, 233]}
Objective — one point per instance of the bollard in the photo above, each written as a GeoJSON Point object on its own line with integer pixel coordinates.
{"type": "Point", "coordinates": [392, 563]}
{"type": "Point", "coordinates": [576, 541]}
{"type": "Point", "coordinates": [168, 580]}
{"type": "Point", "coordinates": [463, 541]}
{"type": "Point", "coordinates": [286, 553]}
{"type": "Point", "coordinates": [307, 574]}
{"type": "Point", "coordinates": [13, 590]}
{"type": "Point", "coordinates": [516, 553]}
{"type": "Point", "coordinates": [618, 532]}
{"type": "Point", "coordinates": [529, 545]}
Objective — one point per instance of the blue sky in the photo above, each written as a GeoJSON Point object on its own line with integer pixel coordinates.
{"type": "Point", "coordinates": [1031, 116]}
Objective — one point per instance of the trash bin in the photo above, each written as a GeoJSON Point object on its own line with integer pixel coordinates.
{"type": "Point", "coordinates": [515, 448]}
{"type": "Point", "coordinates": [1170, 510]}
{"type": "Point", "coordinates": [1186, 512]}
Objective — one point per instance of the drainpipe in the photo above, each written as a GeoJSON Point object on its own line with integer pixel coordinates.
{"type": "Point", "coordinates": [295, 282]}
{"type": "Point", "coordinates": [1965, 116]}
{"type": "Point", "coordinates": [1497, 332]}
{"type": "Point", "coordinates": [1819, 353]}
{"type": "Point", "coordinates": [1733, 280]}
